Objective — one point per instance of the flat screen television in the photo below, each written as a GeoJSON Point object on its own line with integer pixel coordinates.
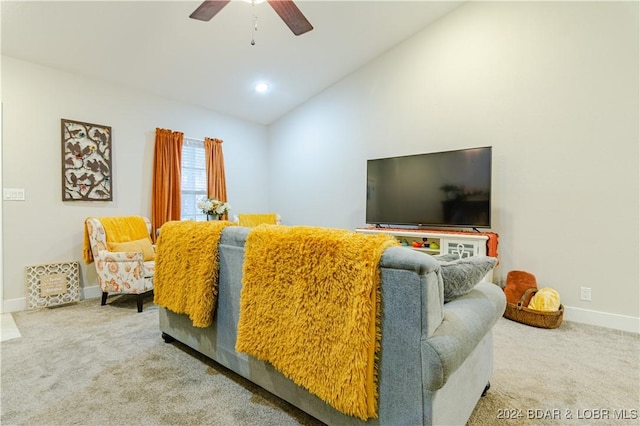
{"type": "Point", "coordinates": [439, 189]}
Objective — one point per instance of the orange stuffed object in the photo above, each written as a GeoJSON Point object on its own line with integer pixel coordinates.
{"type": "Point", "coordinates": [517, 283]}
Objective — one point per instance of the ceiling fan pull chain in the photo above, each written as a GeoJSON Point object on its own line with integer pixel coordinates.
{"type": "Point", "coordinates": [255, 23]}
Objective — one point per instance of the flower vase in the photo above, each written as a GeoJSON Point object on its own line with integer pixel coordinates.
{"type": "Point", "coordinates": [213, 217]}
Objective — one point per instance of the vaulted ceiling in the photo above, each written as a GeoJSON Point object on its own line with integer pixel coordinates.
{"type": "Point", "coordinates": [154, 46]}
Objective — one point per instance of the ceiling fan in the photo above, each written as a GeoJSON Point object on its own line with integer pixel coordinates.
{"type": "Point", "coordinates": [286, 9]}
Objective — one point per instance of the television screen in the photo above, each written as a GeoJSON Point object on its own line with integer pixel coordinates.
{"type": "Point", "coordinates": [451, 188]}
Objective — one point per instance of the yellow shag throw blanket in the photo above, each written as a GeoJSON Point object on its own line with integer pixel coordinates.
{"type": "Point", "coordinates": [253, 220]}
{"type": "Point", "coordinates": [310, 305]}
{"type": "Point", "coordinates": [118, 229]}
{"type": "Point", "coordinates": [186, 275]}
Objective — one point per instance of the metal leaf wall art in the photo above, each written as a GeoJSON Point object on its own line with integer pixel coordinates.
{"type": "Point", "coordinates": [86, 162]}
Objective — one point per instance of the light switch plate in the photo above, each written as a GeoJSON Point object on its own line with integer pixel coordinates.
{"type": "Point", "coordinates": [13, 194]}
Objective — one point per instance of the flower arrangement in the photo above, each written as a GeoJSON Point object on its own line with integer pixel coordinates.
{"type": "Point", "coordinates": [211, 206]}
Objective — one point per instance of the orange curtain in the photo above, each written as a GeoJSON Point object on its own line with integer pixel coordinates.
{"type": "Point", "coordinates": [216, 181]}
{"type": "Point", "coordinates": [165, 197]}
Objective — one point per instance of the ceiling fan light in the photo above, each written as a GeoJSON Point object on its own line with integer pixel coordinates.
{"type": "Point", "coordinates": [262, 87]}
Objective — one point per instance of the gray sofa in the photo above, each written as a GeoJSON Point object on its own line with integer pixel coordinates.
{"type": "Point", "coordinates": [435, 362]}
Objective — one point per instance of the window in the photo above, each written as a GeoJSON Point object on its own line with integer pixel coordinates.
{"type": "Point", "coordinates": [193, 184]}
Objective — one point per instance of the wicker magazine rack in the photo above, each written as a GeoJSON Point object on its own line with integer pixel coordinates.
{"type": "Point", "coordinates": [521, 313]}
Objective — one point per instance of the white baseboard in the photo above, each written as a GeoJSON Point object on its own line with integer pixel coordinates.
{"type": "Point", "coordinates": [585, 316]}
{"type": "Point", "coordinates": [20, 304]}
{"type": "Point", "coordinates": [602, 319]}
{"type": "Point", "coordinates": [91, 292]}
{"type": "Point", "coordinates": [14, 305]}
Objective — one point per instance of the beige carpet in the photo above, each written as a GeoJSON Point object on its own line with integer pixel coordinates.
{"type": "Point", "coordinates": [90, 365]}
{"type": "Point", "coordinates": [563, 376]}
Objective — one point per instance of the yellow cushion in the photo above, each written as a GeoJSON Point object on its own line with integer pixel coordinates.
{"type": "Point", "coordinates": [143, 245]}
{"type": "Point", "coordinates": [252, 220]}
{"type": "Point", "coordinates": [546, 299]}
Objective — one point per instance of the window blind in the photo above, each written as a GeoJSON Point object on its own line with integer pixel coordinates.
{"type": "Point", "coordinates": [193, 184]}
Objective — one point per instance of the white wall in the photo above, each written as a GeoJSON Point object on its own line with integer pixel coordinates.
{"type": "Point", "coordinates": [43, 229]}
{"type": "Point", "coordinates": [553, 87]}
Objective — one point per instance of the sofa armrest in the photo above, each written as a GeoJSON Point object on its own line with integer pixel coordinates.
{"type": "Point", "coordinates": [412, 260]}
{"type": "Point", "coordinates": [467, 320]}
{"type": "Point", "coordinates": [427, 268]}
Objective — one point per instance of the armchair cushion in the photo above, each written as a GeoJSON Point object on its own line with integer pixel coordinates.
{"type": "Point", "coordinates": [142, 245]}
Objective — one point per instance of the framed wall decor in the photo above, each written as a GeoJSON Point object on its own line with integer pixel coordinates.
{"type": "Point", "coordinates": [53, 284]}
{"type": "Point", "coordinates": [86, 162]}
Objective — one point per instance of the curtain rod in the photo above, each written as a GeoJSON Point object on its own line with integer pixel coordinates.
{"type": "Point", "coordinates": [195, 139]}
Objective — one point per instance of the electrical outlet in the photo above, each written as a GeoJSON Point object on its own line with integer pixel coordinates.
{"type": "Point", "coordinates": [585, 293]}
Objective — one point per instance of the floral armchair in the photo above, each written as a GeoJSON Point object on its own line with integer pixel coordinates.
{"type": "Point", "coordinates": [120, 271]}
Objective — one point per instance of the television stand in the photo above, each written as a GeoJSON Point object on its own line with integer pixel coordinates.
{"type": "Point", "coordinates": [437, 242]}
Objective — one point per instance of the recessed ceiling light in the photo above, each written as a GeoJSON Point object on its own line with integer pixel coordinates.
{"type": "Point", "coordinates": [262, 87]}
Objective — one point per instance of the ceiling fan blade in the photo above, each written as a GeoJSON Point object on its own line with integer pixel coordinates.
{"type": "Point", "coordinates": [291, 15]}
{"type": "Point", "coordinates": [208, 9]}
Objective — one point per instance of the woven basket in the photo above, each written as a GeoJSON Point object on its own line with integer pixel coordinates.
{"type": "Point", "coordinates": [524, 315]}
